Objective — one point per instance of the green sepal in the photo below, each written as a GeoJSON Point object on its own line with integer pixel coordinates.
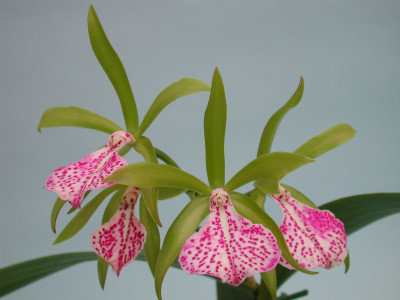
{"type": "Point", "coordinates": [272, 165]}
{"type": "Point", "coordinates": [327, 140]}
{"type": "Point", "coordinates": [269, 279]}
{"type": "Point", "coordinates": [299, 196]}
{"type": "Point", "coordinates": [150, 195]}
{"type": "Point", "coordinates": [268, 185]}
{"type": "Point", "coordinates": [181, 229]}
{"type": "Point", "coordinates": [258, 197]}
{"type": "Point", "coordinates": [84, 214]}
{"type": "Point", "coordinates": [272, 125]}
{"type": "Point", "coordinates": [114, 69]}
{"type": "Point", "coordinates": [71, 116]}
{"type": "Point", "coordinates": [151, 247]}
{"type": "Point", "coordinates": [165, 157]}
{"type": "Point", "coordinates": [214, 132]}
{"type": "Point", "coordinates": [178, 89]}
{"type": "Point", "coordinates": [58, 204]}
{"type": "Point", "coordinates": [145, 174]}
{"type": "Point", "coordinates": [165, 193]}
{"type": "Point", "coordinates": [102, 269]}
{"type": "Point", "coordinates": [249, 210]}
{"type": "Point", "coordinates": [112, 206]}
{"type": "Point", "coordinates": [347, 263]}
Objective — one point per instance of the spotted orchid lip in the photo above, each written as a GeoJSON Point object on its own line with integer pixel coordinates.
{"type": "Point", "coordinates": [315, 237]}
{"type": "Point", "coordinates": [120, 240]}
{"type": "Point", "coordinates": [229, 246]}
{"type": "Point", "coordinates": [72, 181]}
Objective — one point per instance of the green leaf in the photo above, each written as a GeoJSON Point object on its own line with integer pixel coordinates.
{"type": "Point", "coordinates": [58, 204]}
{"type": "Point", "coordinates": [62, 116]}
{"type": "Point", "coordinates": [102, 269]}
{"type": "Point", "coordinates": [178, 89]}
{"type": "Point", "coordinates": [181, 229]}
{"type": "Point", "coordinates": [145, 174]}
{"type": "Point", "coordinates": [150, 195]}
{"type": "Point", "coordinates": [249, 210]}
{"type": "Point", "coordinates": [299, 196]}
{"type": "Point", "coordinates": [355, 212]}
{"type": "Point", "coordinates": [214, 132]}
{"type": "Point", "coordinates": [327, 140]}
{"type": "Point", "coordinates": [112, 206]}
{"type": "Point", "coordinates": [273, 123]}
{"type": "Point", "coordinates": [114, 69]}
{"type": "Point", "coordinates": [19, 275]}
{"type": "Point", "coordinates": [83, 216]}
{"type": "Point", "coordinates": [272, 165]}
{"type": "Point", "coordinates": [269, 279]}
{"type": "Point", "coordinates": [152, 245]}
{"type": "Point", "coordinates": [228, 292]}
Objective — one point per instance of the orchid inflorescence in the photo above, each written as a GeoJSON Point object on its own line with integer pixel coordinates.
{"type": "Point", "coordinates": [238, 239]}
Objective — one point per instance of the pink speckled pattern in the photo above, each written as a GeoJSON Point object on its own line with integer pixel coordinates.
{"type": "Point", "coordinates": [314, 237]}
{"type": "Point", "coordinates": [72, 181]}
{"type": "Point", "coordinates": [229, 246]}
{"type": "Point", "coordinates": [120, 240]}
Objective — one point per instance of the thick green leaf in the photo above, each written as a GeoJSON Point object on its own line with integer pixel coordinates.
{"type": "Point", "coordinates": [114, 69]}
{"type": "Point", "coordinates": [228, 292]}
{"type": "Point", "coordinates": [355, 212]}
{"type": "Point", "coordinates": [150, 195]}
{"type": "Point", "coordinates": [269, 279]}
{"type": "Point", "coordinates": [181, 229]}
{"type": "Point", "coordinates": [84, 214]}
{"type": "Point", "coordinates": [327, 140]}
{"type": "Point", "coordinates": [272, 125]}
{"type": "Point", "coordinates": [145, 174]}
{"type": "Point", "coordinates": [102, 269]}
{"type": "Point", "coordinates": [22, 274]}
{"type": "Point", "coordinates": [178, 89]}
{"type": "Point", "coordinates": [62, 116]}
{"type": "Point", "coordinates": [214, 132]}
{"type": "Point", "coordinates": [272, 165]}
{"type": "Point", "coordinates": [112, 206]}
{"type": "Point", "coordinates": [58, 204]}
{"type": "Point", "coordinates": [152, 245]}
{"type": "Point", "coordinates": [249, 210]}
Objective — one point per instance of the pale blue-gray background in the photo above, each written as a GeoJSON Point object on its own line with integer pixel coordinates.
{"type": "Point", "coordinates": [347, 51]}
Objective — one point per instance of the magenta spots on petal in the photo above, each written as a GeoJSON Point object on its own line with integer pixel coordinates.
{"type": "Point", "coordinates": [314, 237]}
{"type": "Point", "coordinates": [229, 246]}
{"type": "Point", "coordinates": [120, 240]}
{"type": "Point", "coordinates": [72, 181]}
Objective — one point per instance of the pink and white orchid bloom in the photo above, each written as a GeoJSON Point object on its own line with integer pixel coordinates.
{"type": "Point", "coordinates": [120, 240]}
{"type": "Point", "coordinates": [72, 181]}
{"type": "Point", "coordinates": [314, 237]}
{"type": "Point", "coordinates": [229, 246]}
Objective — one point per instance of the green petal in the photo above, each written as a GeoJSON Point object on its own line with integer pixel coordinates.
{"type": "Point", "coordinates": [84, 214]}
{"type": "Point", "coordinates": [58, 204]}
{"type": "Point", "coordinates": [102, 269]}
{"type": "Point", "coordinates": [269, 279]}
{"type": "Point", "coordinates": [327, 140]}
{"type": "Point", "coordinates": [214, 132]}
{"type": "Point", "coordinates": [272, 166]}
{"type": "Point", "coordinates": [178, 89]}
{"type": "Point", "coordinates": [273, 123]}
{"type": "Point", "coordinates": [146, 174]}
{"type": "Point", "coordinates": [71, 116]}
{"type": "Point", "coordinates": [112, 206]}
{"type": "Point", "coordinates": [114, 69]}
{"type": "Point", "coordinates": [181, 229]}
{"type": "Point", "coordinates": [152, 245]}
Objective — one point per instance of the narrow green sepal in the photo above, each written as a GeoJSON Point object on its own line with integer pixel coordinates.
{"type": "Point", "coordinates": [102, 269]}
{"type": "Point", "coordinates": [112, 206]}
{"type": "Point", "coordinates": [114, 69]}
{"type": "Point", "coordinates": [269, 279]}
{"type": "Point", "coordinates": [258, 197]}
{"type": "Point", "coordinates": [299, 196]}
{"type": "Point", "coordinates": [58, 204]}
{"type": "Point", "coordinates": [272, 125]}
{"type": "Point", "coordinates": [347, 263]}
{"type": "Point", "coordinates": [268, 185]}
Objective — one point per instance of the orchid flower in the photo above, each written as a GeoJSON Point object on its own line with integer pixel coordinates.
{"type": "Point", "coordinates": [229, 246]}
{"type": "Point", "coordinates": [120, 240]}
{"type": "Point", "coordinates": [72, 181]}
{"type": "Point", "coordinates": [314, 237]}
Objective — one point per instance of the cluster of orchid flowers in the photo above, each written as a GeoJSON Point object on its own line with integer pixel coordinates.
{"type": "Point", "coordinates": [238, 239]}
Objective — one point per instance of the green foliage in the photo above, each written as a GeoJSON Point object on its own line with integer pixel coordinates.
{"type": "Point", "coordinates": [229, 292]}
{"type": "Point", "coordinates": [178, 89]}
{"type": "Point", "coordinates": [58, 204]}
{"type": "Point", "coordinates": [214, 132]}
{"type": "Point", "coordinates": [272, 125]}
{"type": "Point", "coordinates": [102, 269]}
{"type": "Point", "coordinates": [114, 69]}
{"type": "Point", "coordinates": [269, 279]}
